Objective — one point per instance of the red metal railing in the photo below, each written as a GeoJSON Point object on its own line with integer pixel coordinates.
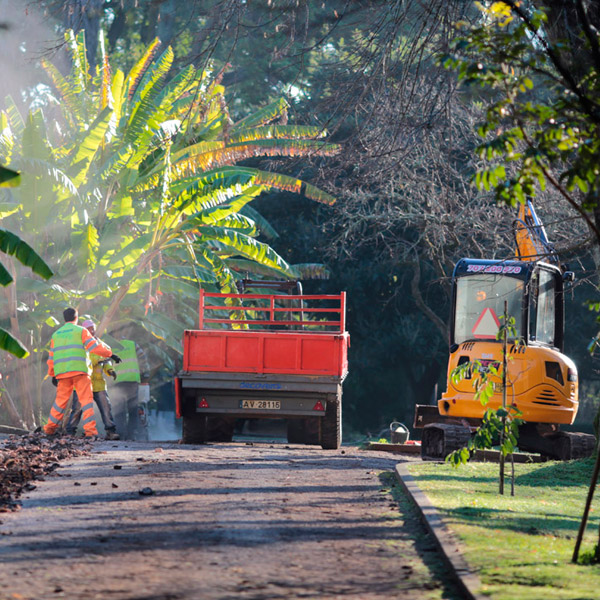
{"type": "Point", "coordinates": [249, 316]}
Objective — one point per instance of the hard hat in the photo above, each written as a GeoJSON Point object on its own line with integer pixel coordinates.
{"type": "Point", "coordinates": [88, 323]}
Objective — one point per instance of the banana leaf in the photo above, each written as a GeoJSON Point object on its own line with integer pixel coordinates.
{"type": "Point", "coordinates": [143, 99]}
{"type": "Point", "coordinates": [34, 141]}
{"type": "Point", "coordinates": [140, 68]}
{"type": "Point", "coordinates": [238, 243]}
{"type": "Point", "coordinates": [5, 276]}
{"type": "Point", "coordinates": [165, 329]}
{"type": "Point", "coordinates": [180, 287]}
{"type": "Point", "coordinates": [85, 152]}
{"type": "Point", "coordinates": [12, 244]}
{"type": "Point", "coordinates": [265, 228]}
{"type": "Point", "coordinates": [37, 286]}
{"type": "Point", "coordinates": [12, 345]}
{"type": "Point", "coordinates": [270, 132]}
{"type": "Point", "coordinates": [128, 254]}
{"type": "Point", "coordinates": [9, 178]}
{"type": "Point", "coordinates": [262, 116]}
{"type": "Point", "coordinates": [17, 123]}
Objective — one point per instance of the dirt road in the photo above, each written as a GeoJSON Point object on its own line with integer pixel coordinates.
{"type": "Point", "coordinates": [154, 521]}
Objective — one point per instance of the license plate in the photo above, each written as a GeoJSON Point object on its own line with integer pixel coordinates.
{"type": "Point", "coordinates": [261, 404]}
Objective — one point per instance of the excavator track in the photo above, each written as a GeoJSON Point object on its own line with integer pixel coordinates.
{"type": "Point", "coordinates": [570, 445]}
{"type": "Point", "coordinates": [441, 439]}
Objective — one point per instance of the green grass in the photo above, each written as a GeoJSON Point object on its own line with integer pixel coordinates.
{"type": "Point", "coordinates": [522, 545]}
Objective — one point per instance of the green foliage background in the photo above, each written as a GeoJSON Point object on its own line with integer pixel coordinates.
{"type": "Point", "coordinates": [367, 72]}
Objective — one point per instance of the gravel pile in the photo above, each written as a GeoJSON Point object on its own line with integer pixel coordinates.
{"type": "Point", "coordinates": [26, 458]}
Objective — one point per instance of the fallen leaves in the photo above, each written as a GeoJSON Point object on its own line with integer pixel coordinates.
{"type": "Point", "coordinates": [24, 458]}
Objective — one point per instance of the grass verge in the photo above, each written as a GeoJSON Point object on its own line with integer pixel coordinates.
{"type": "Point", "coordinates": [522, 545]}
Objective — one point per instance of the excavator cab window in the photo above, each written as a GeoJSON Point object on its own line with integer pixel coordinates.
{"type": "Point", "coordinates": [479, 305]}
{"type": "Point", "coordinates": [542, 308]}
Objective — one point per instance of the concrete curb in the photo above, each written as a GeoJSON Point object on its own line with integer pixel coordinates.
{"type": "Point", "coordinates": [467, 580]}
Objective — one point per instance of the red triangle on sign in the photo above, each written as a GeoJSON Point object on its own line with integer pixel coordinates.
{"type": "Point", "coordinates": [487, 325]}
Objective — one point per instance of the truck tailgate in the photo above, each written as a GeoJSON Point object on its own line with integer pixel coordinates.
{"type": "Point", "coordinates": [300, 353]}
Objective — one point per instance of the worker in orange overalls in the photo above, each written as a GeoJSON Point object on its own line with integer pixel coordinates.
{"type": "Point", "coordinates": [70, 367]}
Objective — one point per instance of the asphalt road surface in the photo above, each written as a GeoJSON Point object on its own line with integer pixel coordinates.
{"type": "Point", "coordinates": [246, 520]}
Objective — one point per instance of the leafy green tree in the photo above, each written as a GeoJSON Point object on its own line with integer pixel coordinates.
{"type": "Point", "coordinates": [538, 64]}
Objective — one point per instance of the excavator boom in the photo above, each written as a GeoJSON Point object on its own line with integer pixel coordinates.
{"type": "Point", "coordinates": [530, 236]}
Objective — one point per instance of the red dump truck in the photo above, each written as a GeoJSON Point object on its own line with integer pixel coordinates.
{"type": "Point", "coordinates": [269, 356]}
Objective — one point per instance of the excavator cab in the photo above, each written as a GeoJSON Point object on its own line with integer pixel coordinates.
{"type": "Point", "coordinates": [533, 293]}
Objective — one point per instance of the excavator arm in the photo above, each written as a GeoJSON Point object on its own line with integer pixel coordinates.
{"type": "Point", "coordinates": [530, 237]}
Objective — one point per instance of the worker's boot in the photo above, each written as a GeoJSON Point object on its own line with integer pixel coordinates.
{"type": "Point", "coordinates": [112, 435]}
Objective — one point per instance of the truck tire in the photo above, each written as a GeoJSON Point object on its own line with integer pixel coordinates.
{"type": "Point", "coordinates": [295, 431]}
{"type": "Point", "coordinates": [194, 429]}
{"type": "Point", "coordinates": [303, 431]}
{"type": "Point", "coordinates": [331, 425]}
{"type": "Point", "coordinates": [219, 429]}
{"type": "Point", "coordinates": [199, 429]}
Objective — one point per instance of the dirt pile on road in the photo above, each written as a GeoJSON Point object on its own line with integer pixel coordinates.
{"type": "Point", "coordinates": [26, 458]}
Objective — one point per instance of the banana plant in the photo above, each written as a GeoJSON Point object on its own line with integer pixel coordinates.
{"type": "Point", "coordinates": [163, 159]}
{"type": "Point", "coordinates": [133, 183]}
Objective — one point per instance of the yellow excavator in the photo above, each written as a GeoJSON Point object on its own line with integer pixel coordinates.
{"type": "Point", "coordinates": [541, 381]}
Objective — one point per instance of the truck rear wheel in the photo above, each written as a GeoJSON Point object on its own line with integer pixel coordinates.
{"type": "Point", "coordinates": [194, 429]}
{"type": "Point", "coordinates": [199, 429]}
{"type": "Point", "coordinates": [219, 429]}
{"type": "Point", "coordinates": [331, 425]}
{"type": "Point", "coordinates": [295, 431]}
{"type": "Point", "coordinates": [303, 431]}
